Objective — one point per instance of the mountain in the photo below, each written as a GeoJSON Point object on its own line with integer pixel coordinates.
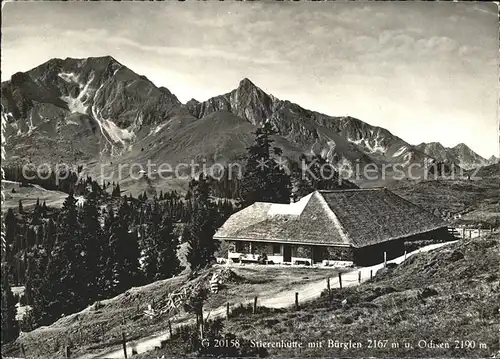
{"type": "Point", "coordinates": [340, 139]}
{"type": "Point", "coordinates": [96, 111]}
{"type": "Point", "coordinates": [80, 109]}
{"type": "Point", "coordinates": [460, 155]}
{"type": "Point", "coordinates": [493, 160]}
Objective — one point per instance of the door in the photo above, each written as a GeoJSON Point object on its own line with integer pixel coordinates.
{"type": "Point", "coordinates": [287, 253]}
{"type": "Point", "coordinates": [317, 254]}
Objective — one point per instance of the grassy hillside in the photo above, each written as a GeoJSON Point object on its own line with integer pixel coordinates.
{"type": "Point", "coordinates": [442, 296]}
{"type": "Point", "coordinates": [477, 200]}
{"type": "Point", "coordinates": [443, 303]}
{"type": "Point", "coordinates": [99, 328]}
{"type": "Point", "coordinates": [29, 195]}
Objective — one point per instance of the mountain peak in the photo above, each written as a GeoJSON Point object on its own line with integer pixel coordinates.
{"type": "Point", "coordinates": [246, 83]}
{"type": "Point", "coordinates": [461, 145]}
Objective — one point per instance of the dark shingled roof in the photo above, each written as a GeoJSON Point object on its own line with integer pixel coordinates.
{"type": "Point", "coordinates": [357, 217]}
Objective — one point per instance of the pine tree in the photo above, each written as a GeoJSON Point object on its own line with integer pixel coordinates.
{"type": "Point", "coordinates": [10, 224]}
{"type": "Point", "coordinates": [10, 327]}
{"type": "Point", "coordinates": [93, 241]}
{"type": "Point", "coordinates": [20, 206]}
{"type": "Point", "coordinates": [160, 249]}
{"type": "Point", "coordinates": [37, 291]}
{"type": "Point", "coordinates": [201, 227]}
{"type": "Point", "coordinates": [50, 235]}
{"type": "Point", "coordinates": [263, 179]}
{"type": "Point", "coordinates": [116, 191]}
{"type": "Point", "coordinates": [168, 262]}
{"type": "Point", "coordinates": [66, 271]}
{"type": "Point", "coordinates": [151, 242]}
{"type": "Point", "coordinates": [124, 252]}
{"type": "Point", "coordinates": [37, 222]}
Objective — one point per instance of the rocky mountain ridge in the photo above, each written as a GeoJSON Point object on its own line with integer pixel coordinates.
{"type": "Point", "coordinates": [97, 110]}
{"type": "Point", "coordinates": [460, 155]}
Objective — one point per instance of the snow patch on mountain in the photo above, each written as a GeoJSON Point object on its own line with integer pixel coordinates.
{"type": "Point", "coordinates": [157, 128]}
{"type": "Point", "coordinates": [370, 147]}
{"type": "Point", "coordinates": [71, 122]}
{"type": "Point", "coordinates": [68, 77]}
{"type": "Point", "coordinates": [117, 134]}
{"type": "Point", "coordinates": [77, 105]}
{"type": "Point", "coordinates": [400, 151]}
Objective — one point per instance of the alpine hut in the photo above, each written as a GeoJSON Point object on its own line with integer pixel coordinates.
{"type": "Point", "coordinates": [354, 225]}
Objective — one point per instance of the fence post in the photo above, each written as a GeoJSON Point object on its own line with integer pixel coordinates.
{"type": "Point", "coordinates": [328, 286]}
{"type": "Point", "coordinates": [385, 259]}
{"type": "Point", "coordinates": [479, 232]}
{"type": "Point", "coordinates": [405, 255]}
{"type": "Point", "coordinates": [67, 352]}
{"type": "Point", "coordinates": [359, 276]}
{"type": "Point", "coordinates": [170, 328]}
{"type": "Point", "coordinates": [23, 352]}
{"type": "Point", "coordinates": [371, 273]}
{"type": "Point", "coordinates": [227, 310]}
{"type": "Point", "coordinates": [296, 300]}
{"type": "Point", "coordinates": [124, 344]}
{"type": "Point", "coordinates": [340, 280]}
{"type": "Point", "coordinates": [254, 305]}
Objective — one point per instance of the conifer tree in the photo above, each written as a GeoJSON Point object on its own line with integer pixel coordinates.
{"type": "Point", "coordinates": [124, 252]}
{"type": "Point", "coordinates": [94, 242]}
{"type": "Point", "coordinates": [116, 191]}
{"type": "Point", "coordinates": [66, 271]}
{"type": "Point", "coordinates": [10, 327]}
{"type": "Point", "coordinates": [50, 235]}
{"type": "Point", "coordinates": [11, 230]}
{"type": "Point", "coordinates": [168, 262]}
{"type": "Point", "coordinates": [37, 292]}
{"type": "Point", "coordinates": [160, 249]}
{"type": "Point", "coordinates": [151, 242]}
{"type": "Point", "coordinates": [201, 227]}
{"type": "Point", "coordinates": [264, 180]}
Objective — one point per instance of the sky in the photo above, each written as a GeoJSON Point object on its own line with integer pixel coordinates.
{"type": "Point", "coordinates": [426, 71]}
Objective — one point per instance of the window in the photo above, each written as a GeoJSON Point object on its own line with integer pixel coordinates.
{"type": "Point", "coordinates": [276, 249]}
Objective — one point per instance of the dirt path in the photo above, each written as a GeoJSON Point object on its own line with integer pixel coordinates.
{"type": "Point", "coordinates": [282, 299]}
